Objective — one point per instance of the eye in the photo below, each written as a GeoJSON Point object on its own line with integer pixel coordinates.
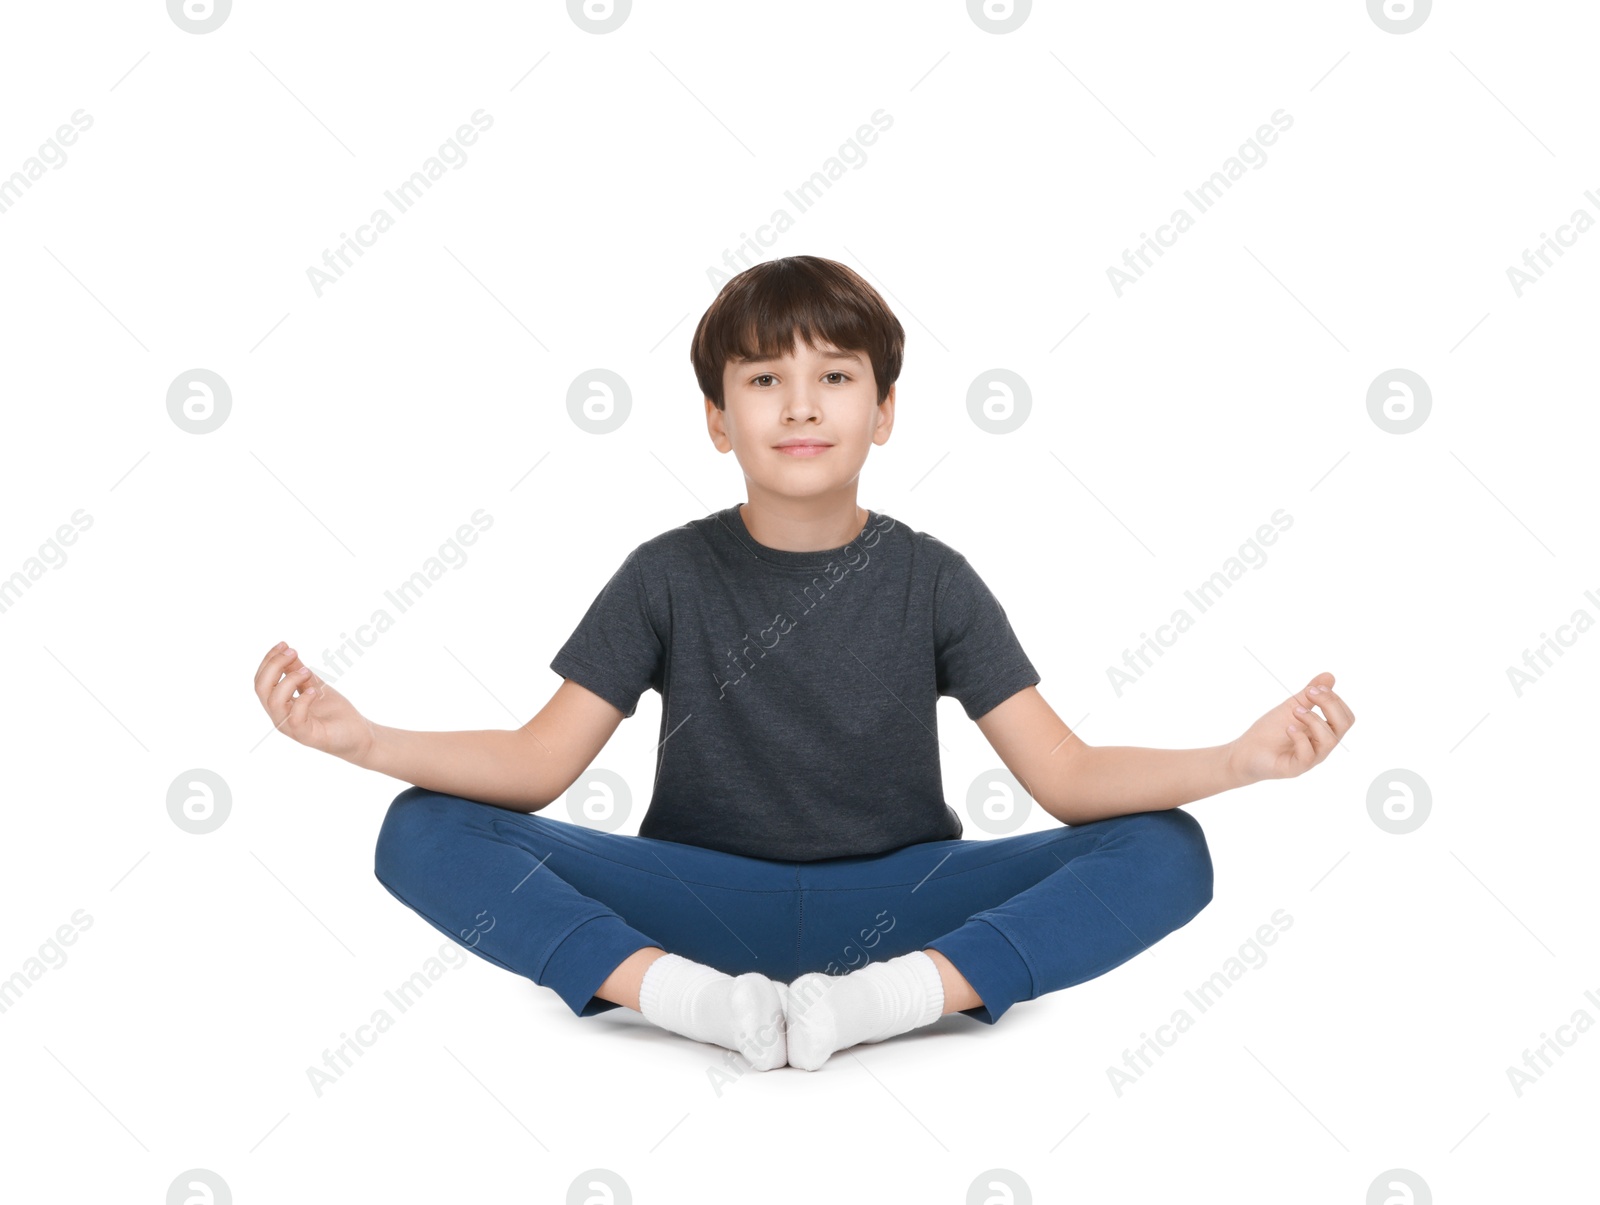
{"type": "Point", "coordinates": [761, 377]}
{"type": "Point", "coordinates": [836, 373]}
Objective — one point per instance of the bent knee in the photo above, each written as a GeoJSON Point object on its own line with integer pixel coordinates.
{"type": "Point", "coordinates": [1182, 857]}
{"type": "Point", "coordinates": [404, 836]}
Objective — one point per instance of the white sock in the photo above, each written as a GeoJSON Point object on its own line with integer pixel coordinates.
{"type": "Point", "coordinates": [743, 1013]}
{"type": "Point", "coordinates": [826, 1013]}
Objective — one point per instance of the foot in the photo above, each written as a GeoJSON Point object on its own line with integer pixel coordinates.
{"type": "Point", "coordinates": [743, 1013]}
{"type": "Point", "coordinates": [760, 1026]}
{"type": "Point", "coordinates": [827, 1013]}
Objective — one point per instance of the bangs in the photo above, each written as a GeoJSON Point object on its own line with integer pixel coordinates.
{"type": "Point", "coordinates": [765, 310]}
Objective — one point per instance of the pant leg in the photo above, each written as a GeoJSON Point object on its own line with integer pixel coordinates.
{"type": "Point", "coordinates": [563, 905]}
{"type": "Point", "coordinates": [1017, 916]}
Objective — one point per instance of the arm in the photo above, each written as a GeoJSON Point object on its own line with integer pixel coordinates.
{"type": "Point", "coordinates": [522, 769]}
{"type": "Point", "coordinates": [1078, 783]}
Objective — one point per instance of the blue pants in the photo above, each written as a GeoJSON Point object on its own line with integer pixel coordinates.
{"type": "Point", "coordinates": [1018, 916]}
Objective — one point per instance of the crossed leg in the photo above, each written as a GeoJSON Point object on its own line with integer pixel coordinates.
{"type": "Point", "coordinates": [588, 913]}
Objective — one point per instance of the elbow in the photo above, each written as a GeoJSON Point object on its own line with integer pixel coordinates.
{"type": "Point", "coordinates": [1060, 793]}
{"type": "Point", "coordinates": [1065, 812]}
{"type": "Point", "coordinates": [1054, 798]}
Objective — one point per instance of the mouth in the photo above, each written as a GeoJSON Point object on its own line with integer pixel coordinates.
{"type": "Point", "coordinates": [803, 448]}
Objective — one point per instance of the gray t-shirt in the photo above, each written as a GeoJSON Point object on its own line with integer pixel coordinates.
{"type": "Point", "coordinates": [798, 688]}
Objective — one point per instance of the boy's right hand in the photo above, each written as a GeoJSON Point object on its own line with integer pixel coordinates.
{"type": "Point", "coordinates": [318, 716]}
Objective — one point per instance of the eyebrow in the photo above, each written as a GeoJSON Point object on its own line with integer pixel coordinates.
{"type": "Point", "coordinates": [850, 356]}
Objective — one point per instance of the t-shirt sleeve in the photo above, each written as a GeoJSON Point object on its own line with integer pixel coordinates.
{"type": "Point", "coordinates": [616, 649]}
{"type": "Point", "coordinates": [977, 656]}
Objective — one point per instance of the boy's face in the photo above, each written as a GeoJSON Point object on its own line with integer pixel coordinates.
{"type": "Point", "coordinates": [816, 394]}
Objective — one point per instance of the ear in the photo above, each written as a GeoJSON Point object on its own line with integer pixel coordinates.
{"type": "Point", "coordinates": [715, 428]}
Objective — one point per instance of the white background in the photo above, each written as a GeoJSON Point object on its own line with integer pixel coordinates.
{"type": "Point", "coordinates": [368, 423]}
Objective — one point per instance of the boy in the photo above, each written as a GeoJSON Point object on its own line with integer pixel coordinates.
{"type": "Point", "coordinates": [798, 884]}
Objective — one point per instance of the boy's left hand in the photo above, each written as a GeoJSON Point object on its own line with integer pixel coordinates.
{"type": "Point", "coordinates": [1288, 741]}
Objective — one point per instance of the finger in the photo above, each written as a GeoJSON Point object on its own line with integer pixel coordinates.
{"type": "Point", "coordinates": [1304, 755]}
{"type": "Point", "coordinates": [1311, 690]}
{"type": "Point", "coordinates": [300, 712]}
{"type": "Point", "coordinates": [271, 668]}
{"type": "Point", "coordinates": [1332, 716]}
{"type": "Point", "coordinates": [1340, 717]}
{"type": "Point", "coordinates": [313, 680]}
{"type": "Point", "coordinates": [1310, 697]}
{"type": "Point", "coordinates": [271, 653]}
{"type": "Point", "coordinates": [274, 696]}
{"type": "Point", "coordinates": [1321, 736]}
{"type": "Point", "coordinates": [283, 694]}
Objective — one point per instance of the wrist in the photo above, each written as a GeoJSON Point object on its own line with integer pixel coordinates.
{"type": "Point", "coordinates": [1234, 774]}
{"type": "Point", "coordinates": [368, 753]}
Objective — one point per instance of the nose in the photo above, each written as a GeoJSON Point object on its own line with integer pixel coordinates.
{"type": "Point", "coordinates": [800, 404]}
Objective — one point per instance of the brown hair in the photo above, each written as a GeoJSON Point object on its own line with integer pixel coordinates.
{"type": "Point", "coordinates": [758, 312]}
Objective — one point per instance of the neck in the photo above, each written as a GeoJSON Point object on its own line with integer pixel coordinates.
{"type": "Point", "coordinates": [803, 525]}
